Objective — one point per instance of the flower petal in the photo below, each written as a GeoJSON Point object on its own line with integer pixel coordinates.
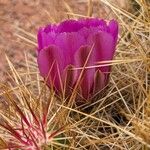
{"type": "Point", "coordinates": [113, 27]}
{"type": "Point", "coordinates": [75, 26]}
{"type": "Point", "coordinates": [50, 28]}
{"type": "Point", "coordinates": [88, 75]}
{"type": "Point", "coordinates": [48, 63]}
{"type": "Point", "coordinates": [68, 79]}
{"type": "Point", "coordinates": [69, 26]}
{"type": "Point", "coordinates": [93, 22]}
{"type": "Point", "coordinates": [99, 81]}
{"type": "Point", "coordinates": [45, 39]}
{"type": "Point", "coordinates": [104, 48]}
{"type": "Point", "coordinates": [69, 43]}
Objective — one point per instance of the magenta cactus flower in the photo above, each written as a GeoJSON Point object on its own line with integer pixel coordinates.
{"type": "Point", "coordinates": [67, 45]}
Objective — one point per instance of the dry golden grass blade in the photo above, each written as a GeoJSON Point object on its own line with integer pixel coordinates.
{"type": "Point", "coordinates": [25, 32]}
{"type": "Point", "coordinates": [122, 11]}
{"type": "Point", "coordinates": [51, 19]}
{"type": "Point", "coordinates": [77, 15]}
{"type": "Point", "coordinates": [26, 40]}
{"type": "Point", "coordinates": [90, 8]}
{"type": "Point", "coordinates": [110, 124]}
{"type": "Point", "coordinates": [3, 145]}
{"type": "Point", "coordinates": [69, 9]}
{"type": "Point", "coordinates": [113, 63]}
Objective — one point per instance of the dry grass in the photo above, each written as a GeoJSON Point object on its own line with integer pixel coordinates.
{"type": "Point", "coordinates": [119, 117]}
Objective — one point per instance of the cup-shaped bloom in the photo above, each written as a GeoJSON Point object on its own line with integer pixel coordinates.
{"type": "Point", "coordinates": [65, 47]}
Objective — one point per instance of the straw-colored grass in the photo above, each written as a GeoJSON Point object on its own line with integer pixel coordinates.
{"type": "Point", "coordinates": [119, 116]}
